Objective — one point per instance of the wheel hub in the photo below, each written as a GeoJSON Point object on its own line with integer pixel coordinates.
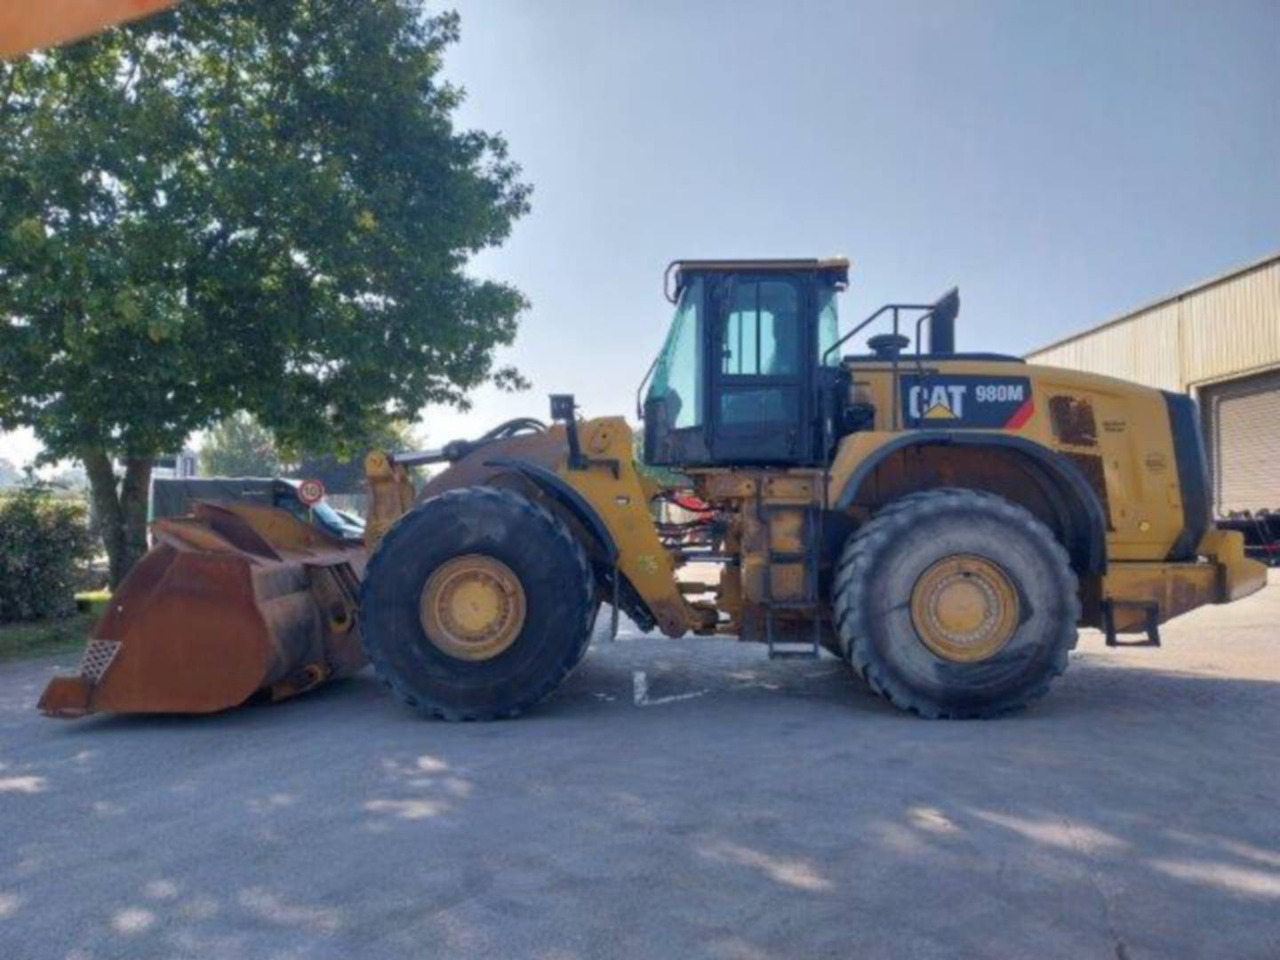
{"type": "Point", "coordinates": [472, 607]}
{"type": "Point", "coordinates": [965, 608]}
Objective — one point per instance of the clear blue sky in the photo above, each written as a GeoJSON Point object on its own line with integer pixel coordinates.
{"type": "Point", "coordinates": [1060, 162]}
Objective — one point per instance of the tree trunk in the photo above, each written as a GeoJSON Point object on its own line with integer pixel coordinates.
{"type": "Point", "coordinates": [135, 495]}
{"type": "Point", "coordinates": [121, 509]}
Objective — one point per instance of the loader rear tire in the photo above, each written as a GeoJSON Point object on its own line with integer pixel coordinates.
{"type": "Point", "coordinates": [956, 603]}
{"type": "Point", "coordinates": [503, 542]}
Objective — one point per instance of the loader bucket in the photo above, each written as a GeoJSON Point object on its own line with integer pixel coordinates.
{"type": "Point", "coordinates": [235, 601]}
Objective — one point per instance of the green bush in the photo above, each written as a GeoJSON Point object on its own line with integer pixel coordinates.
{"type": "Point", "coordinates": [44, 543]}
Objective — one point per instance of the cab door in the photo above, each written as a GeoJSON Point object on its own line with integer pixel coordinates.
{"type": "Point", "coordinates": [759, 344]}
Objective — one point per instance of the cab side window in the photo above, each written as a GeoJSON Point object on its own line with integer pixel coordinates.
{"type": "Point", "coordinates": [762, 330]}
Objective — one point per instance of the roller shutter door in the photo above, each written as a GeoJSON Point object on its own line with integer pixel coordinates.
{"type": "Point", "coordinates": [1242, 440]}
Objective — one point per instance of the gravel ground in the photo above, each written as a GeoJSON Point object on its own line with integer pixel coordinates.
{"type": "Point", "coordinates": [675, 799]}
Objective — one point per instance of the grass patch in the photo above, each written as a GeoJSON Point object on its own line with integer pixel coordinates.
{"type": "Point", "coordinates": [18, 641]}
{"type": "Point", "coordinates": [93, 601]}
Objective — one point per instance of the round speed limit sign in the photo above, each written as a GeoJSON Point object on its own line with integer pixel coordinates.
{"type": "Point", "coordinates": [311, 492]}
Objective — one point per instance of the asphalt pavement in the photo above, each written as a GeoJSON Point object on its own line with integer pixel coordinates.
{"type": "Point", "coordinates": [675, 799]}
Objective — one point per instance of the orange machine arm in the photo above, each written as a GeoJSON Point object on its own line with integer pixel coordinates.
{"type": "Point", "coordinates": [26, 25]}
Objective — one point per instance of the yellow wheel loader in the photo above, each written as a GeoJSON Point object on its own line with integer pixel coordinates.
{"type": "Point", "coordinates": [942, 521]}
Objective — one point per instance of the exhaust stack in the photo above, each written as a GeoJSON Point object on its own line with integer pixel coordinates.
{"type": "Point", "coordinates": [942, 323]}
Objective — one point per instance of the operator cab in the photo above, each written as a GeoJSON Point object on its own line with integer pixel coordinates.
{"type": "Point", "coordinates": [751, 372]}
{"type": "Point", "coordinates": [737, 380]}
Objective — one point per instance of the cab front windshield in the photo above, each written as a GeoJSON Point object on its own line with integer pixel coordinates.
{"type": "Point", "coordinates": [677, 379]}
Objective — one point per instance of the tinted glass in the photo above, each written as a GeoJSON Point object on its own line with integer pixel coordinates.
{"type": "Point", "coordinates": [828, 326]}
{"type": "Point", "coordinates": [762, 330]}
{"type": "Point", "coordinates": [757, 406]}
{"type": "Point", "coordinates": [676, 379]}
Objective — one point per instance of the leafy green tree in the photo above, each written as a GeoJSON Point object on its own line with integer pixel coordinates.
{"type": "Point", "coordinates": [239, 447]}
{"type": "Point", "coordinates": [243, 205]}
{"type": "Point", "coordinates": [44, 546]}
{"type": "Point", "coordinates": [344, 473]}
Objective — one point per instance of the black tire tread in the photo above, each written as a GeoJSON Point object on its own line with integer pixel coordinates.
{"type": "Point", "coordinates": [860, 555]}
{"type": "Point", "coordinates": [558, 530]}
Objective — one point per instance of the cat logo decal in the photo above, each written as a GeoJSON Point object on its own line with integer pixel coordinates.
{"type": "Point", "coordinates": [958, 400]}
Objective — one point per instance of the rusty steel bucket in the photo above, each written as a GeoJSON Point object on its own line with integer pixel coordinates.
{"type": "Point", "coordinates": [236, 601]}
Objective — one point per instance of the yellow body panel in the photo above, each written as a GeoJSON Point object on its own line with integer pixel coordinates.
{"type": "Point", "coordinates": [1225, 575]}
{"type": "Point", "coordinates": [623, 505]}
{"type": "Point", "coordinates": [1117, 434]}
{"type": "Point", "coordinates": [1132, 447]}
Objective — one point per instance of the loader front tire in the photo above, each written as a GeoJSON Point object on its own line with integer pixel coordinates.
{"type": "Point", "coordinates": [477, 604]}
{"type": "Point", "coordinates": [955, 603]}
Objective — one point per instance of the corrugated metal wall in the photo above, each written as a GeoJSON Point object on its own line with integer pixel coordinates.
{"type": "Point", "coordinates": [1225, 328]}
{"type": "Point", "coordinates": [1243, 442]}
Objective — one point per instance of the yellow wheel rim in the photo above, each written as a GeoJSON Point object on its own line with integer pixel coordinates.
{"type": "Point", "coordinates": [965, 608]}
{"type": "Point", "coordinates": [472, 607]}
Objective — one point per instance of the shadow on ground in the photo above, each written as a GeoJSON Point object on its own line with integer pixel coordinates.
{"type": "Point", "coordinates": [739, 808]}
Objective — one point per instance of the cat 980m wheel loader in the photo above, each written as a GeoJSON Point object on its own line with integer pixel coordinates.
{"type": "Point", "coordinates": [942, 521]}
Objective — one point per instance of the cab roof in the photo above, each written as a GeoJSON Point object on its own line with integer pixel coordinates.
{"type": "Point", "coordinates": [836, 268]}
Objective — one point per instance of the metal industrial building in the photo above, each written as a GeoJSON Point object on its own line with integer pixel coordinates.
{"type": "Point", "coordinates": [1220, 342]}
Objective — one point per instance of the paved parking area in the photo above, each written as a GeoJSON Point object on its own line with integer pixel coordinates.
{"type": "Point", "coordinates": [719, 805]}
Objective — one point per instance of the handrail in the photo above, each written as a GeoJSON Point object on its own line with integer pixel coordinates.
{"type": "Point", "coordinates": [888, 306]}
{"type": "Point", "coordinates": [667, 291]}
{"type": "Point", "coordinates": [897, 308]}
{"type": "Point", "coordinates": [919, 361]}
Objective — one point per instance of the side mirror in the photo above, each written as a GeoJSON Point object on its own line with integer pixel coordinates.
{"type": "Point", "coordinates": [562, 407]}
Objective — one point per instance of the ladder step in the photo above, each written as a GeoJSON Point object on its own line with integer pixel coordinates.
{"type": "Point", "coordinates": [791, 646]}
{"type": "Point", "coordinates": [785, 556]}
{"type": "Point", "coordinates": [794, 651]}
{"type": "Point", "coordinates": [1150, 609]}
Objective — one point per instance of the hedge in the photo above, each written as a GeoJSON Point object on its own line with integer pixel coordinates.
{"type": "Point", "coordinates": [44, 544]}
